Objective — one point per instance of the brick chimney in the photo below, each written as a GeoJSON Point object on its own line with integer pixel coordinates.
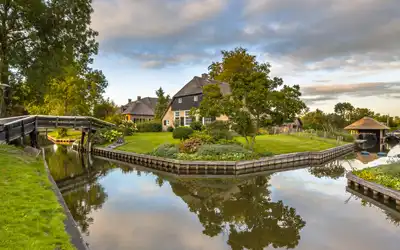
{"type": "Point", "coordinates": [139, 97]}
{"type": "Point", "coordinates": [204, 76]}
{"type": "Point", "coordinates": [129, 100]}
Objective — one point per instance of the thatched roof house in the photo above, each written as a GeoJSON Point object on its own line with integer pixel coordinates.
{"type": "Point", "coordinates": [367, 123]}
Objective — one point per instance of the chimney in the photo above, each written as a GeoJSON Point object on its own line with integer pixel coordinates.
{"type": "Point", "coordinates": [139, 97]}
{"type": "Point", "coordinates": [129, 100]}
{"type": "Point", "coordinates": [204, 76]}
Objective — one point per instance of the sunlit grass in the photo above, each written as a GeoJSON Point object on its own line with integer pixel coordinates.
{"type": "Point", "coordinates": [30, 215]}
{"type": "Point", "coordinates": [71, 134]}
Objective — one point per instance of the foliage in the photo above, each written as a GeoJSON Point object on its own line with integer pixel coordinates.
{"type": "Point", "coordinates": [190, 145]}
{"type": "Point", "coordinates": [30, 215]}
{"type": "Point", "coordinates": [104, 109]}
{"type": "Point", "coordinates": [255, 97]}
{"type": "Point", "coordinates": [162, 104]}
{"type": "Point", "coordinates": [106, 136]}
{"type": "Point", "coordinates": [182, 133]}
{"type": "Point", "coordinates": [196, 125]}
{"type": "Point", "coordinates": [229, 156]}
{"type": "Point", "coordinates": [219, 149]}
{"type": "Point", "coordinates": [166, 150]}
{"type": "Point", "coordinates": [62, 132]}
{"type": "Point", "coordinates": [170, 129]}
{"type": "Point", "coordinates": [151, 126]}
{"type": "Point", "coordinates": [38, 40]}
{"type": "Point", "coordinates": [218, 130]}
{"type": "Point", "coordinates": [204, 137]}
{"type": "Point", "coordinates": [388, 175]}
{"type": "Point", "coordinates": [127, 127]}
{"type": "Point", "coordinates": [228, 142]}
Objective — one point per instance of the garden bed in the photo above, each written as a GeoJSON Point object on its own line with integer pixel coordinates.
{"type": "Point", "coordinates": [30, 216]}
{"type": "Point", "coordinates": [387, 175]}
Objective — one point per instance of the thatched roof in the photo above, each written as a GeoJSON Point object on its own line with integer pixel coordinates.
{"type": "Point", "coordinates": [367, 123]}
{"type": "Point", "coordinates": [144, 106]}
{"type": "Point", "coordinates": [195, 86]}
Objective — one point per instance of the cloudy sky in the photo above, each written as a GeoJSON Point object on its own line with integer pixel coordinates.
{"type": "Point", "coordinates": [337, 50]}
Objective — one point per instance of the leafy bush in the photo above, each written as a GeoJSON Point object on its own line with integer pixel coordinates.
{"type": "Point", "coordinates": [152, 126]}
{"type": "Point", "coordinates": [376, 175]}
{"type": "Point", "coordinates": [62, 132]}
{"type": "Point", "coordinates": [222, 157]}
{"type": "Point", "coordinates": [106, 135]}
{"type": "Point", "coordinates": [166, 150]}
{"type": "Point", "coordinates": [190, 145]}
{"type": "Point", "coordinates": [196, 125]}
{"type": "Point", "coordinates": [263, 131]}
{"type": "Point", "coordinates": [170, 129]}
{"type": "Point", "coordinates": [346, 136]}
{"type": "Point", "coordinates": [219, 130]}
{"type": "Point", "coordinates": [228, 142]}
{"type": "Point", "coordinates": [205, 138]}
{"type": "Point", "coordinates": [219, 149]}
{"type": "Point", "coordinates": [182, 133]}
{"type": "Point", "coordinates": [127, 127]}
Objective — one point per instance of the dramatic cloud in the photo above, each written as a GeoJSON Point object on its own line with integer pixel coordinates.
{"type": "Point", "coordinates": [319, 93]}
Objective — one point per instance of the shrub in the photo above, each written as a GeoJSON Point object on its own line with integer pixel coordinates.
{"type": "Point", "coordinates": [152, 126]}
{"type": "Point", "coordinates": [263, 131]}
{"type": "Point", "coordinates": [219, 130]}
{"type": "Point", "coordinates": [166, 150]}
{"type": "Point", "coordinates": [190, 145]}
{"type": "Point", "coordinates": [205, 138]}
{"type": "Point", "coordinates": [127, 127]}
{"type": "Point", "coordinates": [219, 149]}
{"type": "Point", "coordinates": [170, 129]}
{"type": "Point", "coordinates": [223, 157]}
{"type": "Point", "coordinates": [106, 135]}
{"type": "Point", "coordinates": [182, 133]}
{"type": "Point", "coordinates": [228, 142]}
{"type": "Point", "coordinates": [62, 132]}
{"type": "Point", "coordinates": [196, 125]}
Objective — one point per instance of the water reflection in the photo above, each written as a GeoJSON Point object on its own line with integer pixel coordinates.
{"type": "Point", "coordinates": [120, 206]}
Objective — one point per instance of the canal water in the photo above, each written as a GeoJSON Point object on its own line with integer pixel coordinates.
{"type": "Point", "coordinates": [120, 206]}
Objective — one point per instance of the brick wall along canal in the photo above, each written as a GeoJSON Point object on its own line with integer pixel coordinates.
{"type": "Point", "coordinates": [122, 207]}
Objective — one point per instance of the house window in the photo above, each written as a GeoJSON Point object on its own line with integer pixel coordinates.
{"type": "Point", "coordinates": [179, 100]}
{"type": "Point", "coordinates": [176, 114]}
{"type": "Point", "coordinates": [187, 113]}
{"type": "Point", "coordinates": [166, 122]}
{"type": "Point", "coordinates": [206, 120]}
{"type": "Point", "coordinates": [195, 98]}
{"type": "Point", "coordinates": [188, 118]}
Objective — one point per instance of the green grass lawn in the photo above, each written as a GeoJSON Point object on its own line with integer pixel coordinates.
{"type": "Point", "coordinates": [276, 144]}
{"type": "Point", "coordinates": [386, 175]}
{"type": "Point", "coordinates": [30, 215]}
{"type": "Point", "coordinates": [71, 134]}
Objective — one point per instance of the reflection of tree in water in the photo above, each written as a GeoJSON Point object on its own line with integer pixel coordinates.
{"type": "Point", "coordinates": [63, 163]}
{"type": "Point", "coordinates": [242, 209]}
{"type": "Point", "coordinates": [333, 169]}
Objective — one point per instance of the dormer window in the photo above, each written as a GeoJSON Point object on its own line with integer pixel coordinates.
{"type": "Point", "coordinates": [195, 98]}
{"type": "Point", "coordinates": [179, 100]}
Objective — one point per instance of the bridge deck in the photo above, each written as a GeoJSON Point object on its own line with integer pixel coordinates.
{"type": "Point", "coordinates": [12, 128]}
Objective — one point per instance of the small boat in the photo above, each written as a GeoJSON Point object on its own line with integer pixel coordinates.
{"type": "Point", "coordinates": [381, 154]}
{"type": "Point", "coordinates": [364, 153]}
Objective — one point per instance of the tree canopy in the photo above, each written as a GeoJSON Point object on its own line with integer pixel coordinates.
{"type": "Point", "coordinates": [162, 104]}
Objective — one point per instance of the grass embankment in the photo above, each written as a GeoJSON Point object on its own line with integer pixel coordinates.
{"type": "Point", "coordinates": [276, 144]}
{"type": "Point", "coordinates": [387, 175]}
{"type": "Point", "coordinates": [30, 215]}
{"type": "Point", "coordinates": [71, 134]}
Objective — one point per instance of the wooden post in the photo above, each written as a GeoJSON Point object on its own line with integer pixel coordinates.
{"type": "Point", "coordinates": [82, 141]}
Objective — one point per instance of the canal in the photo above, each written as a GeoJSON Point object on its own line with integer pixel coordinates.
{"type": "Point", "coordinates": [120, 206]}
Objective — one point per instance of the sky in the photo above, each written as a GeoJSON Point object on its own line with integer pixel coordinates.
{"type": "Point", "coordinates": [336, 50]}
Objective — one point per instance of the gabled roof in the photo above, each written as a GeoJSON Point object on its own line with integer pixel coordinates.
{"type": "Point", "coordinates": [367, 123]}
{"type": "Point", "coordinates": [144, 106]}
{"type": "Point", "coordinates": [195, 86]}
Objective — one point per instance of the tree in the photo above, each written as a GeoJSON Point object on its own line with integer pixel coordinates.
{"type": "Point", "coordinates": [359, 113]}
{"type": "Point", "coordinates": [344, 109]}
{"type": "Point", "coordinates": [37, 40]}
{"type": "Point", "coordinates": [255, 97]}
{"type": "Point", "coordinates": [162, 104]}
{"type": "Point", "coordinates": [104, 109]}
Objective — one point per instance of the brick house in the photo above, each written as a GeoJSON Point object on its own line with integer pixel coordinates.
{"type": "Point", "coordinates": [188, 97]}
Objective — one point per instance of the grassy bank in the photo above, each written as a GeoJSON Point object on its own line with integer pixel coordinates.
{"type": "Point", "coordinates": [276, 144]}
{"type": "Point", "coordinates": [30, 215]}
{"type": "Point", "coordinates": [71, 134]}
{"type": "Point", "coordinates": [386, 175]}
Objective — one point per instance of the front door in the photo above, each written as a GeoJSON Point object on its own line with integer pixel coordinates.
{"type": "Point", "coordinates": [182, 121]}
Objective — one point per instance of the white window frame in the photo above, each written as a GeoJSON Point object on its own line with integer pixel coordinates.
{"type": "Point", "coordinates": [187, 115]}
{"type": "Point", "coordinates": [166, 122]}
{"type": "Point", "coordinates": [179, 100]}
{"type": "Point", "coordinates": [196, 98]}
{"type": "Point", "coordinates": [176, 116]}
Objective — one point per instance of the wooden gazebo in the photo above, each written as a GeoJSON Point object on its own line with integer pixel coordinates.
{"type": "Point", "coordinates": [368, 125]}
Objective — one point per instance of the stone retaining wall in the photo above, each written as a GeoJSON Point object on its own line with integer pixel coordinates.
{"type": "Point", "coordinates": [224, 167]}
{"type": "Point", "coordinates": [374, 188]}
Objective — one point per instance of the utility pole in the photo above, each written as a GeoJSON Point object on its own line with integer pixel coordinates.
{"type": "Point", "coordinates": [3, 99]}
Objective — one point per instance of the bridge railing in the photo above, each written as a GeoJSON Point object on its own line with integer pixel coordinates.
{"type": "Point", "coordinates": [16, 127]}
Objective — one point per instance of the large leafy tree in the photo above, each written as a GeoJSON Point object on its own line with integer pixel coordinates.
{"type": "Point", "coordinates": [344, 109]}
{"type": "Point", "coordinates": [38, 38]}
{"type": "Point", "coordinates": [256, 99]}
{"type": "Point", "coordinates": [162, 104]}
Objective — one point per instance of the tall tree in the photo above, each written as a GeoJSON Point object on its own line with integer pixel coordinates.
{"type": "Point", "coordinates": [255, 97]}
{"type": "Point", "coordinates": [162, 104]}
{"type": "Point", "coordinates": [38, 39]}
{"type": "Point", "coordinates": [344, 109]}
{"type": "Point", "coordinates": [104, 109]}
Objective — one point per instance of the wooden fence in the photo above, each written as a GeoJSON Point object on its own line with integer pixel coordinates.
{"type": "Point", "coordinates": [284, 161]}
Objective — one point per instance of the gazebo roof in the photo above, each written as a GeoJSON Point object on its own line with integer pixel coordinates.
{"type": "Point", "coordinates": [367, 123]}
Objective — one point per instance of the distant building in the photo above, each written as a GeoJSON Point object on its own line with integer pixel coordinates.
{"type": "Point", "coordinates": [188, 97]}
{"type": "Point", "coordinates": [296, 125]}
{"type": "Point", "coordinates": [368, 125]}
{"type": "Point", "coordinates": [141, 110]}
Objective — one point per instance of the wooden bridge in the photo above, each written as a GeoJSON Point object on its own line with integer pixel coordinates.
{"type": "Point", "coordinates": [14, 128]}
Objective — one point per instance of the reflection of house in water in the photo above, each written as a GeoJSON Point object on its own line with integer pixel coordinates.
{"type": "Point", "coordinates": [370, 130]}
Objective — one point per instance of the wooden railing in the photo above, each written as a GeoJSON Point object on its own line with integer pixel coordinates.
{"type": "Point", "coordinates": [12, 128]}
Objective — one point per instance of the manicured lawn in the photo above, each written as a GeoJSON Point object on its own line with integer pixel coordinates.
{"type": "Point", "coordinates": [386, 175]}
{"type": "Point", "coordinates": [146, 142]}
{"type": "Point", "coordinates": [71, 134]}
{"type": "Point", "coordinates": [30, 216]}
{"type": "Point", "coordinates": [276, 144]}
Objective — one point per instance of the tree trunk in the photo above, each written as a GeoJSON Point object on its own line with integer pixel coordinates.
{"type": "Point", "coordinates": [4, 63]}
